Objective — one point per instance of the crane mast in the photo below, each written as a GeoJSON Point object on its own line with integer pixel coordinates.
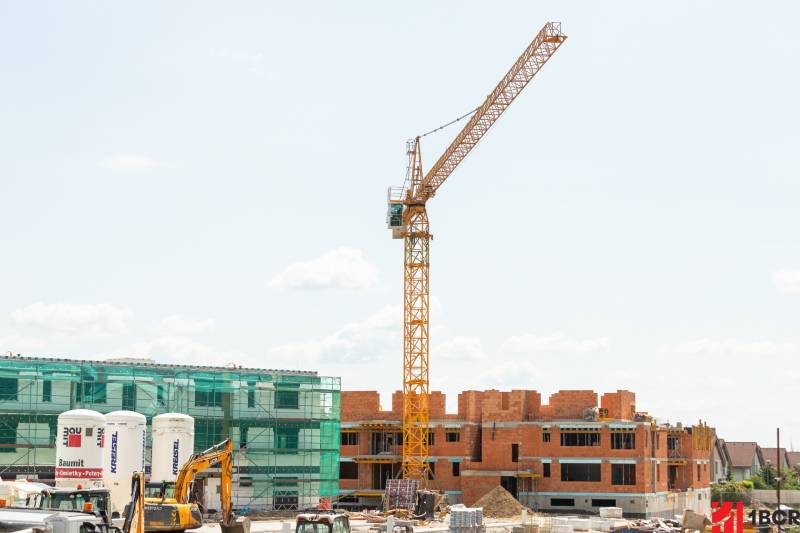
{"type": "Point", "coordinates": [408, 220]}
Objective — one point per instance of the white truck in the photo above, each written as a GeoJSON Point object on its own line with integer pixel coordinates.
{"type": "Point", "coordinates": [50, 521]}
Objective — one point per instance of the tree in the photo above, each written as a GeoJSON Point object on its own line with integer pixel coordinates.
{"type": "Point", "coordinates": [730, 491]}
{"type": "Point", "coordinates": [768, 475]}
{"type": "Point", "coordinates": [767, 478]}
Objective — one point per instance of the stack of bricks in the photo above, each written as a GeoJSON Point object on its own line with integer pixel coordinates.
{"type": "Point", "coordinates": [466, 519]}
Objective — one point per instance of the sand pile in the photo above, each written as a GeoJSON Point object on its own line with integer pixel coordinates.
{"type": "Point", "coordinates": [499, 503]}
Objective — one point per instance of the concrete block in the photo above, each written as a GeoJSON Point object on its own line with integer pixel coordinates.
{"type": "Point", "coordinates": [611, 512]}
{"type": "Point", "coordinates": [579, 524]}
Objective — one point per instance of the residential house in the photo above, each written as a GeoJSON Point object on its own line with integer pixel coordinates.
{"type": "Point", "coordinates": [793, 459]}
{"type": "Point", "coordinates": [773, 456]}
{"type": "Point", "coordinates": [746, 459]}
{"type": "Point", "coordinates": [720, 461]}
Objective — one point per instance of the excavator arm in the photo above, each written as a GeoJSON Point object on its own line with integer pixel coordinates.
{"type": "Point", "coordinates": [220, 456]}
{"type": "Point", "coordinates": [134, 513]}
{"type": "Point", "coordinates": [543, 46]}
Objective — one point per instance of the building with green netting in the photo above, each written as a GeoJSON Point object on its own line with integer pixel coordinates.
{"type": "Point", "coordinates": [284, 424]}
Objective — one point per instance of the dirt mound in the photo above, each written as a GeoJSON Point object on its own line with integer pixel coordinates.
{"type": "Point", "coordinates": [499, 503]}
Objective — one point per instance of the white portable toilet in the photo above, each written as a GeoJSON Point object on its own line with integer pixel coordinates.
{"type": "Point", "coordinates": [173, 445]}
{"type": "Point", "coordinates": [79, 449]}
{"type": "Point", "coordinates": [126, 433]}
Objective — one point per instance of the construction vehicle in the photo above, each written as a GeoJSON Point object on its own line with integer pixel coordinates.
{"type": "Point", "coordinates": [408, 219]}
{"type": "Point", "coordinates": [173, 510]}
{"type": "Point", "coordinates": [326, 522]}
{"type": "Point", "coordinates": [338, 522]}
{"type": "Point", "coordinates": [61, 510]}
{"type": "Point", "coordinates": [74, 511]}
{"type": "Point", "coordinates": [67, 499]}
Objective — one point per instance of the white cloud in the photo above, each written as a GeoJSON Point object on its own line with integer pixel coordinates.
{"type": "Point", "coordinates": [342, 268]}
{"type": "Point", "coordinates": [169, 347]}
{"type": "Point", "coordinates": [73, 319]}
{"type": "Point", "coordinates": [376, 337]}
{"type": "Point", "coordinates": [459, 349]}
{"type": "Point", "coordinates": [17, 344]}
{"type": "Point", "coordinates": [787, 280]}
{"type": "Point", "coordinates": [555, 343]}
{"type": "Point", "coordinates": [130, 162]}
{"type": "Point", "coordinates": [728, 347]}
{"type": "Point", "coordinates": [182, 326]}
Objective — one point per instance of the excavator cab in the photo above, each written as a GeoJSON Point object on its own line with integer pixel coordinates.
{"type": "Point", "coordinates": [163, 490]}
{"type": "Point", "coordinates": [322, 523]}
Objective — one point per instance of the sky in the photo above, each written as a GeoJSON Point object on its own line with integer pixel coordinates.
{"type": "Point", "coordinates": [205, 183]}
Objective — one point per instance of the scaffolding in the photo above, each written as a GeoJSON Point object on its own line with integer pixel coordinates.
{"type": "Point", "coordinates": [284, 424]}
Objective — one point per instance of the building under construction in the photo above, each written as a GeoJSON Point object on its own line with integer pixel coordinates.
{"type": "Point", "coordinates": [284, 424]}
{"type": "Point", "coordinates": [571, 454]}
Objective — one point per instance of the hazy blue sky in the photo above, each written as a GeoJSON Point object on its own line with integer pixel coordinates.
{"type": "Point", "coordinates": [205, 182]}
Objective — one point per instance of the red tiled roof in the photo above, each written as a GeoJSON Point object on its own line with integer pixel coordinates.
{"type": "Point", "coordinates": [793, 458]}
{"type": "Point", "coordinates": [741, 453]}
{"type": "Point", "coordinates": [771, 455]}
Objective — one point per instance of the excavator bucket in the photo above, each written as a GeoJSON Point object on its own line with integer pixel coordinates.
{"type": "Point", "coordinates": [241, 524]}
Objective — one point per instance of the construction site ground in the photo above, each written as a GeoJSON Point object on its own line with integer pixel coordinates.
{"type": "Point", "coordinates": [276, 525]}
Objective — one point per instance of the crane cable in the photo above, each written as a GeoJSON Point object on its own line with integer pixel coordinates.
{"type": "Point", "coordinates": [465, 115]}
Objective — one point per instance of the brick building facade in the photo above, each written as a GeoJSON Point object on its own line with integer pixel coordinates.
{"type": "Point", "coordinates": [570, 454]}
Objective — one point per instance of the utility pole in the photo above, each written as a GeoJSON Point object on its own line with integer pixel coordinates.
{"type": "Point", "coordinates": [778, 460]}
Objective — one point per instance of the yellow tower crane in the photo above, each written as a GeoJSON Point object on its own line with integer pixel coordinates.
{"type": "Point", "coordinates": [408, 220]}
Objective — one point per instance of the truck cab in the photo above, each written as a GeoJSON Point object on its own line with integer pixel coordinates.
{"type": "Point", "coordinates": [93, 501]}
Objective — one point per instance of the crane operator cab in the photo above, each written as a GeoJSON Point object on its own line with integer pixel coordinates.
{"type": "Point", "coordinates": [394, 213]}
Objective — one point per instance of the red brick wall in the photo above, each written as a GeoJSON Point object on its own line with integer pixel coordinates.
{"type": "Point", "coordinates": [473, 487]}
{"type": "Point", "coordinates": [491, 421]}
{"type": "Point", "coordinates": [469, 405]}
{"type": "Point", "coordinates": [569, 404]}
{"type": "Point", "coordinates": [621, 405]}
{"type": "Point", "coordinates": [360, 405]}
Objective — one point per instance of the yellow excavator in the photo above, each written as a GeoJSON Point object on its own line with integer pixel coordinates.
{"type": "Point", "coordinates": [134, 511]}
{"type": "Point", "coordinates": [176, 512]}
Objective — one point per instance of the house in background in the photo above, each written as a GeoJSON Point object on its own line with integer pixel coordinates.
{"type": "Point", "coordinates": [773, 456]}
{"type": "Point", "coordinates": [793, 459]}
{"type": "Point", "coordinates": [746, 459]}
{"type": "Point", "coordinates": [720, 461]}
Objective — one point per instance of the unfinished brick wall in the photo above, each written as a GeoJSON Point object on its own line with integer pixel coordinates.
{"type": "Point", "coordinates": [569, 404]}
{"type": "Point", "coordinates": [473, 487]}
{"type": "Point", "coordinates": [436, 405]}
{"type": "Point", "coordinates": [490, 422]}
{"type": "Point", "coordinates": [620, 405]}
{"type": "Point", "coordinates": [360, 405]}
{"type": "Point", "coordinates": [470, 405]}
{"type": "Point", "coordinates": [515, 405]}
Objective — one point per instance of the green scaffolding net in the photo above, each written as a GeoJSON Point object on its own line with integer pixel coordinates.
{"type": "Point", "coordinates": [284, 424]}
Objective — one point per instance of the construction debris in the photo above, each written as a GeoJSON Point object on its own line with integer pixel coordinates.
{"type": "Point", "coordinates": [499, 503]}
{"type": "Point", "coordinates": [400, 494]}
